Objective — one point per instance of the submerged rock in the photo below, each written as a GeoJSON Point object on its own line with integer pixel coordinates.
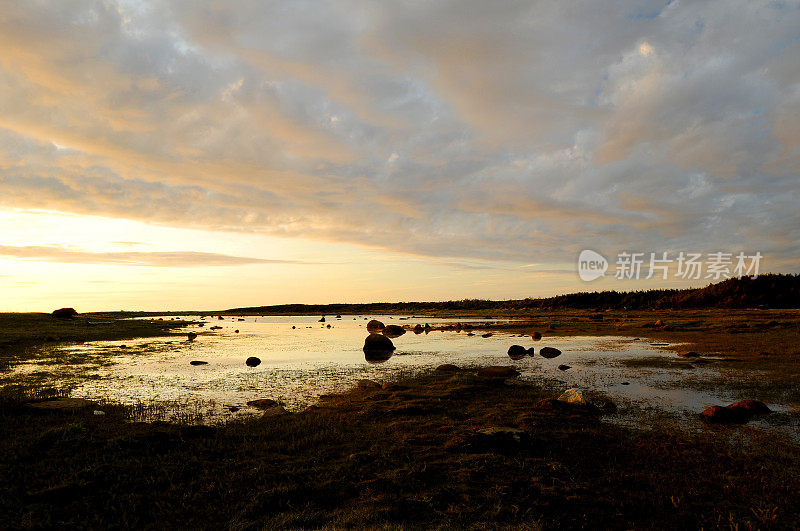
{"type": "Point", "coordinates": [61, 404]}
{"type": "Point", "coordinates": [368, 384]}
{"type": "Point", "coordinates": [549, 352]}
{"type": "Point", "coordinates": [498, 371]}
{"type": "Point", "coordinates": [393, 331]}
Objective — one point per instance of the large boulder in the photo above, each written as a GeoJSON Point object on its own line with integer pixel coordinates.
{"type": "Point", "coordinates": [378, 348]}
{"type": "Point", "coordinates": [375, 326]}
{"type": "Point", "coordinates": [64, 313]}
{"type": "Point", "coordinates": [517, 352]}
{"type": "Point", "coordinates": [549, 352]}
{"type": "Point", "coordinates": [393, 331]}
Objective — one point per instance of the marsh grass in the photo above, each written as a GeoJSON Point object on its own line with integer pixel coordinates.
{"type": "Point", "coordinates": [402, 458]}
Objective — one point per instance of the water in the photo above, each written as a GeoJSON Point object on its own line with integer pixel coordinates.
{"type": "Point", "coordinates": [299, 365]}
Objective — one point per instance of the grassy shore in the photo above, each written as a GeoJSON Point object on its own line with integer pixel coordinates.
{"type": "Point", "coordinates": [420, 453]}
{"type": "Point", "coordinates": [409, 456]}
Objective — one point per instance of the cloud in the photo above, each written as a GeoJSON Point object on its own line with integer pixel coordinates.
{"type": "Point", "coordinates": [149, 259]}
{"type": "Point", "coordinates": [515, 131]}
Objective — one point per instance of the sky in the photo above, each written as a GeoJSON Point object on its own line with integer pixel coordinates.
{"type": "Point", "coordinates": [205, 155]}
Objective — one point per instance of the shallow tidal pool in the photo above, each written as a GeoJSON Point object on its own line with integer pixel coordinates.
{"type": "Point", "coordinates": [300, 364]}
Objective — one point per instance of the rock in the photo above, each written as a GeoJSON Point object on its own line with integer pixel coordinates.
{"type": "Point", "coordinates": [536, 336]}
{"type": "Point", "coordinates": [531, 352]}
{"type": "Point", "coordinates": [517, 352]}
{"type": "Point", "coordinates": [293, 327]}
{"type": "Point", "coordinates": [625, 383]}
{"type": "Point", "coordinates": [549, 352]}
{"type": "Point", "coordinates": [488, 334]}
{"type": "Point", "coordinates": [688, 354]}
{"type": "Point", "coordinates": [201, 325]}
{"type": "Point", "coordinates": [564, 367]}
{"type": "Point", "coordinates": [572, 396]}
{"type": "Point", "coordinates": [198, 362]}
{"type": "Point", "coordinates": [447, 367]}
{"type": "Point", "coordinates": [737, 413]}
{"type": "Point", "coordinates": [233, 409]}
{"type": "Point", "coordinates": [220, 318]}
{"type": "Point", "coordinates": [236, 331]}
{"type": "Point", "coordinates": [375, 326]}
{"type": "Point", "coordinates": [368, 384]}
{"type": "Point", "coordinates": [393, 331]}
{"type": "Point", "coordinates": [262, 403]}
{"type": "Point", "coordinates": [718, 415]}
{"type": "Point", "coordinates": [322, 320]}
{"type": "Point", "coordinates": [64, 313]}
{"type": "Point", "coordinates": [240, 319]}
{"type": "Point", "coordinates": [252, 361]}
{"type": "Point", "coordinates": [378, 348]}
{"type": "Point", "coordinates": [750, 407]}
{"type": "Point", "coordinates": [216, 328]}
{"type": "Point", "coordinates": [275, 411]}
{"type": "Point", "coordinates": [191, 336]}
{"type": "Point", "coordinates": [418, 329]}
{"type": "Point", "coordinates": [659, 322]}
{"type": "Point", "coordinates": [339, 316]}
{"type": "Point", "coordinates": [328, 326]}
{"type": "Point", "coordinates": [61, 404]}
{"type": "Point", "coordinates": [498, 371]}
{"type": "Point", "coordinates": [550, 328]}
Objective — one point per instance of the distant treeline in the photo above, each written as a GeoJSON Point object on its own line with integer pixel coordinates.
{"type": "Point", "coordinates": [767, 291]}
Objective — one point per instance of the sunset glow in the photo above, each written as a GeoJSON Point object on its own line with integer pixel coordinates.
{"type": "Point", "coordinates": [168, 155]}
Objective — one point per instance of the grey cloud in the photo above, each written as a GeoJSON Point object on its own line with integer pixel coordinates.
{"type": "Point", "coordinates": [510, 131]}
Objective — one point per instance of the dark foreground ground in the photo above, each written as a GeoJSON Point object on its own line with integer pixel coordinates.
{"type": "Point", "coordinates": [432, 452]}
